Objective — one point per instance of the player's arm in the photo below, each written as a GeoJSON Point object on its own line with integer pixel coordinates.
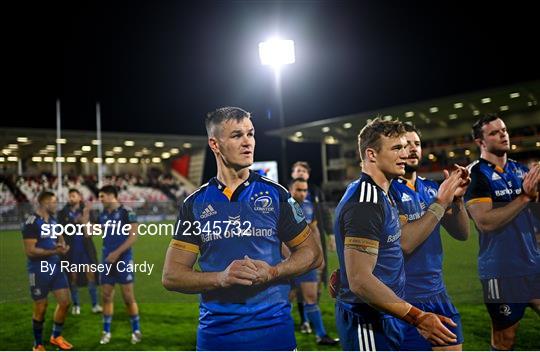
{"type": "Point", "coordinates": [456, 220]}
{"type": "Point", "coordinates": [416, 232]}
{"type": "Point", "coordinates": [313, 226]}
{"type": "Point", "coordinates": [127, 244]}
{"type": "Point", "coordinates": [179, 274]}
{"type": "Point", "coordinates": [32, 251]}
{"type": "Point", "coordinates": [361, 224]}
{"type": "Point", "coordinates": [480, 205]}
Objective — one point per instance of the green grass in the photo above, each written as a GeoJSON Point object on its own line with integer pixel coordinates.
{"type": "Point", "coordinates": [169, 320]}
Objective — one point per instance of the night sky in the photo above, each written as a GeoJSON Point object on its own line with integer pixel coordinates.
{"type": "Point", "coordinates": [159, 66]}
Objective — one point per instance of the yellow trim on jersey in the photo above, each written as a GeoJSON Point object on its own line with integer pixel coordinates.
{"type": "Point", "coordinates": [364, 242]}
{"type": "Point", "coordinates": [189, 247]}
{"type": "Point", "coordinates": [499, 169]}
{"type": "Point", "coordinates": [411, 186]}
{"type": "Point", "coordinates": [228, 192]}
{"type": "Point", "coordinates": [479, 200]}
{"type": "Point", "coordinates": [301, 237]}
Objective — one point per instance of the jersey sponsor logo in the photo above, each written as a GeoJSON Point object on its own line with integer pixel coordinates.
{"type": "Point", "coordinates": [503, 192]}
{"type": "Point", "coordinates": [394, 237]}
{"type": "Point", "coordinates": [208, 211]}
{"type": "Point", "coordinates": [432, 192]}
{"type": "Point", "coordinates": [495, 177]}
{"type": "Point", "coordinates": [406, 198]}
{"type": "Point", "coordinates": [262, 202]}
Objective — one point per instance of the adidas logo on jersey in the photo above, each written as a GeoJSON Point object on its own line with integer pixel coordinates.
{"type": "Point", "coordinates": [406, 198]}
{"type": "Point", "coordinates": [208, 211]}
{"type": "Point", "coordinates": [495, 177]}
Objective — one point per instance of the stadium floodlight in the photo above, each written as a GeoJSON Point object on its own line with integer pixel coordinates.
{"type": "Point", "coordinates": [187, 145]}
{"type": "Point", "coordinates": [347, 125]}
{"type": "Point", "coordinates": [129, 143]}
{"type": "Point", "coordinates": [117, 149]}
{"type": "Point", "coordinates": [36, 159]}
{"type": "Point", "coordinates": [71, 159]}
{"type": "Point", "coordinates": [325, 129]}
{"type": "Point", "coordinates": [61, 140]}
{"type": "Point", "coordinates": [22, 139]}
{"type": "Point", "coordinates": [86, 148]}
{"type": "Point", "coordinates": [84, 160]}
{"type": "Point", "coordinates": [159, 144]}
{"type": "Point", "coordinates": [276, 52]}
{"type": "Point", "coordinates": [12, 158]}
{"type": "Point", "coordinates": [174, 151]}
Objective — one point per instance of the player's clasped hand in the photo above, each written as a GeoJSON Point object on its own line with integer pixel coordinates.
{"type": "Point", "coordinates": [265, 272]}
{"type": "Point", "coordinates": [449, 187]}
{"type": "Point", "coordinates": [431, 327]}
{"type": "Point", "coordinates": [62, 249]}
{"type": "Point", "coordinates": [530, 182]}
{"type": "Point", "coordinates": [239, 272]}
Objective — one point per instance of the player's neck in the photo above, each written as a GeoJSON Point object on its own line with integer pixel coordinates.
{"type": "Point", "coordinates": [410, 177]}
{"type": "Point", "coordinates": [377, 176]}
{"type": "Point", "coordinates": [232, 178]}
{"type": "Point", "coordinates": [113, 206]}
{"type": "Point", "coordinates": [498, 160]}
{"type": "Point", "coordinates": [43, 213]}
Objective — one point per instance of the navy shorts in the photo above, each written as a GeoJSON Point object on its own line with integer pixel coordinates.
{"type": "Point", "coordinates": [43, 282]}
{"type": "Point", "coordinates": [440, 304]}
{"type": "Point", "coordinates": [118, 273]}
{"type": "Point", "coordinates": [507, 298]}
{"type": "Point", "coordinates": [310, 276]}
{"type": "Point", "coordinates": [360, 333]}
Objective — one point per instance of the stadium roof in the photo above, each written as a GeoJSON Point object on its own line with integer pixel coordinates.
{"type": "Point", "coordinates": [81, 146]}
{"type": "Point", "coordinates": [438, 118]}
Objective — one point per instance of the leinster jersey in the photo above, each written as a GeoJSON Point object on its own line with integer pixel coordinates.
{"type": "Point", "coordinates": [223, 226]}
{"type": "Point", "coordinates": [114, 237]}
{"type": "Point", "coordinates": [423, 267]}
{"type": "Point", "coordinates": [510, 250]}
{"type": "Point", "coordinates": [35, 227]}
{"type": "Point", "coordinates": [367, 212]}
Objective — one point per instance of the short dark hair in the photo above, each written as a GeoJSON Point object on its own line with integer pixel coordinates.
{"type": "Point", "coordinates": [303, 164]}
{"type": "Point", "coordinates": [43, 196]}
{"type": "Point", "coordinates": [226, 113]}
{"type": "Point", "coordinates": [109, 189]}
{"type": "Point", "coordinates": [411, 127]}
{"type": "Point", "coordinates": [484, 120]}
{"type": "Point", "coordinates": [74, 190]}
{"type": "Point", "coordinates": [294, 180]}
{"type": "Point", "coordinates": [370, 135]}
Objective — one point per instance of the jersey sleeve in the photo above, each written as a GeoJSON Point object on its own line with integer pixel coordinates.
{"type": "Point", "coordinates": [479, 190]}
{"type": "Point", "coordinates": [184, 237]}
{"type": "Point", "coordinates": [292, 226]}
{"type": "Point", "coordinates": [362, 221]}
{"type": "Point", "coordinates": [30, 229]}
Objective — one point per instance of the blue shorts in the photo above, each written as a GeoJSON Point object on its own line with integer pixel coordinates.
{"type": "Point", "coordinates": [118, 274]}
{"type": "Point", "coordinates": [440, 304]}
{"type": "Point", "coordinates": [507, 298]}
{"type": "Point", "coordinates": [310, 276]}
{"type": "Point", "coordinates": [41, 283]}
{"type": "Point", "coordinates": [273, 337]}
{"type": "Point", "coordinates": [376, 332]}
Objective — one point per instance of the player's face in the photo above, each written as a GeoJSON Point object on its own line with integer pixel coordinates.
{"type": "Point", "coordinates": [74, 198]}
{"type": "Point", "coordinates": [235, 143]}
{"type": "Point", "coordinates": [414, 151]}
{"type": "Point", "coordinates": [299, 191]}
{"type": "Point", "coordinates": [106, 199]}
{"type": "Point", "coordinates": [392, 156]}
{"type": "Point", "coordinates": [496, 139]}
{"type": "Point", "coordinates": [300, 172]}
{"type": "Point", "coordinates": [49, 205]}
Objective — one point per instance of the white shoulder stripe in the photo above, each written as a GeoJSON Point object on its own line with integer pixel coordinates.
{"type": "Point", "coordinates": [368, 193]}
{"type": "Point", "coordinates": [471, 165]}
{"type": "Point", "coordinates": [274, 182]}
{"type": "Point", "coordinates": [196, 191]}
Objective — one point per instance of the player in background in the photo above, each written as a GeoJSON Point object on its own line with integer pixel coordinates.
{"type": "Point", "coordinates": [237, 222]}
{"type": "Point", "coordinates": [424, 284]}
{"type": "Point", "coordinates": [40, 247]}
{"type": "Point", "coordinates": [315, 199]}
{"type": "Point", "coordinates": [82, 249]}
{"type": "Point", "coordinates": [371, 313]}
{"type": "Point", "coordinates": [499, 200]}
{"type": "Point", "coordinates": [307, 285]}
{"type": "Point", "coordinates": [117, 247]}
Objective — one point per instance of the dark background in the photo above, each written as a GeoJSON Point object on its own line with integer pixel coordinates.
{"type": "Point", "coordinates": [159, 66]}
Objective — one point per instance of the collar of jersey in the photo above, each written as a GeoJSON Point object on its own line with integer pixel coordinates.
{"type": "Point", "coordinates": [495, 167]}
{"type": "Point", "coordinates": [231, 196]}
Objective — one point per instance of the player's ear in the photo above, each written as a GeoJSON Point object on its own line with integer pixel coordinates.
{"type": "Point", "coordinates": [371, 155]}
{"type": "Point", "coordinates": [479, 142]}
{"type": "Point", "coordinates": [213, 144]}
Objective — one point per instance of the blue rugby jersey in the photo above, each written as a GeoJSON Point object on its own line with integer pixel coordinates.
{"type": "Point", "coordinates": [115, 237]}
{"type": "Point", "coordinates": [309, 210]}
{"type": "Point", "coordinates": [33, 229]}
{"type": "Point", "coordinates": [366, 211]}
{"type": "Point", "coordinates": [69, 216]}
{"type": "Point", "coordinates": [511, 250]}
{"type": "Point", "coordinates": [222, 227]}
{"type": "Point", "coordinates": [423, 267]}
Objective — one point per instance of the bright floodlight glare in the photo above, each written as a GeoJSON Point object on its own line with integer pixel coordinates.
{"type": "Point", "coordinates": [276, 52]}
